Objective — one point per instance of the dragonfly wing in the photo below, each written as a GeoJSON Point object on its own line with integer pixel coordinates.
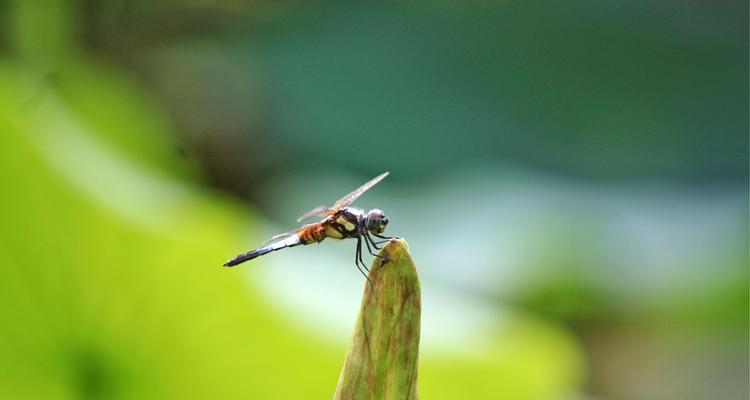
{"type": "Point", "coordinates": [319, 211]}
{"type": "Point", "coordinates": [349, 198]}
{"type": "Point", "coordinates": [288, 234]}
{"type": "Point", "coordinates": [281, 235]}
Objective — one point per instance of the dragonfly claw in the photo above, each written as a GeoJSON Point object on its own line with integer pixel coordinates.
{"type": "Point", "coordinates": [384, 260]}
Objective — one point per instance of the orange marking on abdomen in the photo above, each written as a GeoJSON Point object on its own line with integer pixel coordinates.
{"type": "Point", "coordinates": [312, 234]}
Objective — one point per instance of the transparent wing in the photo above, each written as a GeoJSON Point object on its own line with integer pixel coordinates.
{"type": "Point", "coordinates": [290, 233]}
{"type": "Point", "coordinates": [349, 198]}
{"type": "Point", "coordinates": [280, 236]}
{"type": "Point", "coordinates": [320, 211]}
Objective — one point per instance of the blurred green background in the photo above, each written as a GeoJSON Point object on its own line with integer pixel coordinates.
{"type": "Point", "coordinates": [572, 178]}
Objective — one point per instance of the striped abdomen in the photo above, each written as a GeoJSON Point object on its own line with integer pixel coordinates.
{"type": "Point", "coordinates": [290, 241]}
{"type": "Point", "coordinates": [312, 234]}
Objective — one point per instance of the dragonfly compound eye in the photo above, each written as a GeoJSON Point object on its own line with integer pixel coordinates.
{"type": "Point", "coordinates": [383, 224]}
{"type": "Point", "coordinates": [376, 221]}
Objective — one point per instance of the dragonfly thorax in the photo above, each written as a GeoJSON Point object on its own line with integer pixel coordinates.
{"type": "Point", "coordinates": [346, 223]}
{"type": "Point", "coordinates": [352, 222]}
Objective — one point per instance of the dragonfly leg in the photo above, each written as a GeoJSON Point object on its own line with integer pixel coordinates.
{"type": "Point", "coordinates": [374, 244]}
{"type": "Point", "coordinates": [383, 259]}
{"type": "Point", "coordinates": [368, 240]}
{"type": "Point", "coordinates": [358, 256]}
{"type": "Point", "coordinates": [385, 238]}
{"type": "Point", "coordinates": [358, 261]}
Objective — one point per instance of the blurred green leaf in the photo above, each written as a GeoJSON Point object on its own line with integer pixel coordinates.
{"type": "Point", "coordinates": [110, 285]}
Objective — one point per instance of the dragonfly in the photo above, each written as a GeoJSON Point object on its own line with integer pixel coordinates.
{"type": "Point", "coordinates": [339, 222]}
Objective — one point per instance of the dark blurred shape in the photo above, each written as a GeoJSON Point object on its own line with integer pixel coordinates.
{"type": "Point", "coordinates": [91, 373]}
{"type": "Point", "coordinates": [634, 91]}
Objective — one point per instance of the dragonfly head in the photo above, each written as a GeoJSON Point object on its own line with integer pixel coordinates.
{"type": "Point", "coordinates": [376, 221]}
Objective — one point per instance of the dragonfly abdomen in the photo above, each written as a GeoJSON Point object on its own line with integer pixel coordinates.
{"type": "Point", "coordinates": [291, 241]}
{"type": "Point", "coordinates": [312, 234]}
